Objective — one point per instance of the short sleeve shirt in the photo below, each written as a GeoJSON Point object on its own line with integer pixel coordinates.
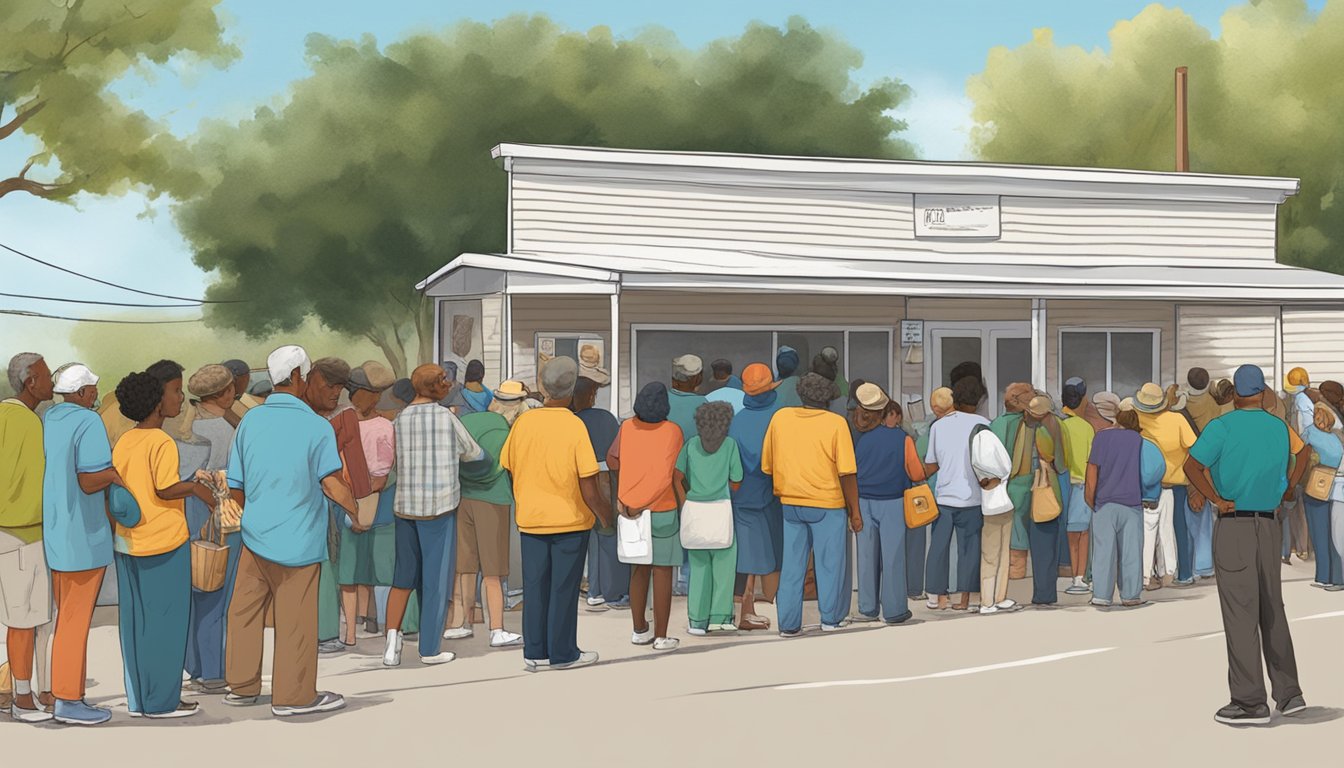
{"type": "Point", "coordinates": [148, 462]}
{"type": "Point", "coordinates": [1117, 455]}
{"type": "Point", "coordinates": [682, 406]}
{"type": "Point", "coordinates": [546, 454]}
{"type": "Point", "coordinates": [806, 452]}
{"type": "Point", "coordinates": [950, 448]}
{"type": "Point", "coordinates": [645, 454]}
{"type": "Point", "coordinates": [1247, 453]}
{"type": "Point", "coordinates": [1078, 436]}
{"type": "Point", "coordinates": [281, 454]}
{"type": "Point", "coordinates": [380, 445]}
{"type": "Point", "coordinates": [485, 480]}
{"type": "Point", "coordinates": [710, 474]}
{"type": "Point", "coordinates": [76, 533]}
{"type": "Point", "coordinates": [1174, 435]}
{"type": "Point", "coordinates": [430, 443]}
{"type": "Point", "coordinates": [24, 468]}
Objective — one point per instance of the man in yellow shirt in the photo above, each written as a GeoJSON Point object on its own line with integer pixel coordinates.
{"type": "Point", "coordinates": [556, 496]}
{"type": "Point", "coordinates": [1078, 436]}
{"type": "Point", "coordinates": [809, 452]}
{"type": "Point", "coordinates": [1171, 530]}
{"type": "Point", "coordinates": [23, 562]}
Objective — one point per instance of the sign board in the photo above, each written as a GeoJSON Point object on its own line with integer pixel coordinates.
{"type": "Point", "coordinates": [912, 333]}
{"type": "Point", "coordinates": [956, 216]}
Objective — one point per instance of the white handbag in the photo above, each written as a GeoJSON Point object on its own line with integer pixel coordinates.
{"type": "Point", "coordinates": [707, 524]}
{"type": "Point", "coordinates": [634, 539]}
{"type": "Point", "coordinates": [990, 460]}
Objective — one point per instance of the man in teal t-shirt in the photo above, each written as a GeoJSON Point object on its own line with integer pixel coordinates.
{"type": "Point", "coordinates": [1240, 464]}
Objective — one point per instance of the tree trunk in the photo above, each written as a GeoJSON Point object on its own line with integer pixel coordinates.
{"type": "Point", "coordinates": [424, 331]}
{"type": "Point", "coordinates": [396, 356]}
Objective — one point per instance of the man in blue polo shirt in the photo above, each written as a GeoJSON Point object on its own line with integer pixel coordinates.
{"type": "Point", "coordinates": [283, 467]}
{"type": "Point", "coordinates": [1240, 464]}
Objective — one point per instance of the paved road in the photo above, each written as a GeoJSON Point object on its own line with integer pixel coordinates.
{"type": "Point", "coordinates": [1072, 686]}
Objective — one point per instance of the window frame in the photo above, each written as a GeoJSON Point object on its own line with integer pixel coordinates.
{"type": "Point", "coordinates": [1156, 333]}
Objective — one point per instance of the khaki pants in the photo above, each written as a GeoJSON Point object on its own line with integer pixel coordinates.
{"type": "Point", "coordinates": [260, 585]}
{"type": "Point", "coordinates": [995, 537]}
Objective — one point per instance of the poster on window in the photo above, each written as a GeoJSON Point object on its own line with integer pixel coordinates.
{"type": "Point", "coordinates": [591, 354]}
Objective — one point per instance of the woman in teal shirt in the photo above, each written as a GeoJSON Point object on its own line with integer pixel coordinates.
{"type": "Point", "coordinates": [708, 469]}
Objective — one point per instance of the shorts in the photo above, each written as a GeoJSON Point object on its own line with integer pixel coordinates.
{"type": "Point", "coordinates": [666, 530]}
{"type": "Point", "coordinates": [25, 584]}
{"type": "Point", "coordinates": [483, 538]}
{"type": "Point", "coordinates": [367, 559]}
{"type": "Point", "coordinates": [1079, 517]}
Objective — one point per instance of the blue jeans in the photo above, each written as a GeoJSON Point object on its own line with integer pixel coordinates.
{"type": "Point", "coordinates": [967, 522]}
{"type": "Point", "coordinates": [205, 633]}
{"type": "Point", "coordinates": [1043, 541]}
{"type": "Point", "coordinates": [916, 547]}
{"type": "Point", "coordinates": [154, 610]}
{"type": "Point", "coordinates": [822, 533]}
{"type": "Point", "coordinates": [1200, 526]}
{"type": "Point", "coordinates": [608, 577]}
{"type": "Point", "coordinates": [881, 555]}
{"type": "Point", "coordinates": [1117, 547]}
{"type": "Point", "coordinates": [1185, 550]}
{"type": "Point", "coordinates": [426, 555]}
{"type": "Point", "coordinates": [552, 570]}
{"type": "Point", "coordinates": [1318, 528]}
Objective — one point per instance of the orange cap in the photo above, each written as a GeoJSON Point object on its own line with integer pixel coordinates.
{"type": "Point", "coordinates": [757, 379]}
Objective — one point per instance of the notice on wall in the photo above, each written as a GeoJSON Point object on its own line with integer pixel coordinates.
{"type": "Point", "coordinates": [589, 351]}
{"type": "Point", "coordinates": [957, 216]}
{"type": "Point", "coordinates": [912, 333]}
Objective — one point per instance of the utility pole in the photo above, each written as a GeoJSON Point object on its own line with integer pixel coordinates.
{"type": "Point", "coordinates": [1182, 127]}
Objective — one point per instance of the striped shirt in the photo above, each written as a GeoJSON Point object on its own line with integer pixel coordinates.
{"type": "Point", "coordinates": [430, 442]}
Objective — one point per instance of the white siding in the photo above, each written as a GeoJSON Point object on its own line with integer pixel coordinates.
{"type": "Point", "coordinates": [1219, 338]}
{"type": "Point", "coordinates": [553, 314]}
{"type": "Point", "coordinates": [1112, 314]}
{"type": "Point", "coordinates": [933, 311]}
{"type": "Point", "coordinates": [602, 216]}
{"type": "Point", "coordinates": [1314, 339]}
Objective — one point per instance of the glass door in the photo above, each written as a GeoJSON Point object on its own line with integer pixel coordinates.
{"type": "Point", "coordinates": [1003, 350]}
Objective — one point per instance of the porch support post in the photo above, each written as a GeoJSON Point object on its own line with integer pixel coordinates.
{"type": "Point", "coordinates": [1038, 343]}
{"type": "Point", "coordinates": [614, 359]}
{"type": "Point", "coordinates": [508, 335]}
{"type": "Point", "coordinates": [1276, 379]}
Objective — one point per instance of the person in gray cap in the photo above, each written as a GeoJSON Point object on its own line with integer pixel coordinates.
{"type": "Point", "coordinates": [555, 512]}
{"type": "Point", "coordinates": [1241, 464]}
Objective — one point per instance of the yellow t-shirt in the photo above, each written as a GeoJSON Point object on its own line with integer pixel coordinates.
{"type": "Point", "coordinates": [807, 451]}
{"type": "Point", "coordinates": [21, 479]}
{"type": "Point", "coordinates": [147, 461]}
{"type": "Point", "coordinates": [546, 453]}
{"type": "Point", "coordinates": [1174, 435]}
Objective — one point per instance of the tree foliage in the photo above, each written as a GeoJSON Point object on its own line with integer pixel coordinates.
{"type": "Point", "coordinates": [1266, 98]}
{"type": "Point", "coordinates": [377, 171]}
{"type": "Point", "coordinates": [57, 60]}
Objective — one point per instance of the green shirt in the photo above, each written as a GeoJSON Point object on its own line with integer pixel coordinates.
{"type": "Point", "coordinates": [22, 465]}
{"type": "Point", "coordinates": [1247, 453]}
{"type": "Point", "coordinates": [486, 480]}
{"type": "Point", "coordinates": [681, 411]}
{"type": "Point", "coordinates": [709, 474]}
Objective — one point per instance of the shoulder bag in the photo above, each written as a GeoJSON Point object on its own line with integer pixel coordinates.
{"type": "Point", "coordinates": [209, 557]}
{"type": "Point", "coordinates": [1044, 503]}
{"type": "Point", "coordinates": [634, 539]}
{"type": "Point", "coordinates": [707, 524]}
{"type": "Point", "coordinates": [920, 506]}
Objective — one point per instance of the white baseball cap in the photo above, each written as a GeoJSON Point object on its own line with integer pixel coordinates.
{"type": "Point", "coordinates": [284, 360]}
{"type": "Point", "coordinates": [73, 377]}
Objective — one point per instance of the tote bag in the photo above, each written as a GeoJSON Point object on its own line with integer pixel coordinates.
{"type": "Point", "coordinates": [1044, 503]}
{"type": "Point", "coordinates": [991, 461]}
{"type": "Point", "coordinates": [707, 524]}
{"type": "Point", "coordinates": [634, 539]}
{"type": "Point", "coordinates": [920, 508]}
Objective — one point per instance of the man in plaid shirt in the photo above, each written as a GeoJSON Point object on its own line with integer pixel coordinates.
{"type": "Point", "coordinates": [430, 442]}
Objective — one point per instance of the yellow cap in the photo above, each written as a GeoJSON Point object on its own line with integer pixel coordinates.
{"type": "Point", "coordinates": [1297, 378]}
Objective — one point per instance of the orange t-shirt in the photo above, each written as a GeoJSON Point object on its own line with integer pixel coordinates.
{"type": "Point", "coordinates": [645, 455]}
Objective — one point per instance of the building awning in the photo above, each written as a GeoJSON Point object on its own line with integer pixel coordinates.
{"type": "Point", "coordinates": [748, 272]}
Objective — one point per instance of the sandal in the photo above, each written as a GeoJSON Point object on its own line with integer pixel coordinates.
{"type": "Point", "coordinates": [748, 625]}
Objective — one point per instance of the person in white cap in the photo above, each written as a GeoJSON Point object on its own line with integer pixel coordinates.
{"type": "Point", "coordinates": [283, 468]}
{"type": "Point", "coordinates": [76, 534]}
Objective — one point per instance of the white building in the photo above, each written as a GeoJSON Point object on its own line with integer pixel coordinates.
{"type": "Point", "coordinates": [1040, 273]}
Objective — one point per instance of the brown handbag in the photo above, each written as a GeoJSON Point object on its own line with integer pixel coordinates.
{"type": "Point", "coordinates": [920, 507]}
{"type": "Point", "coordinates": [209, 557]}
{"type": "Point", "coordinates": [1320, 481]}
{"type": "Point", "coordinates": [1045, 504]}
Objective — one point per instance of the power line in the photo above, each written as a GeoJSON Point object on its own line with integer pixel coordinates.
{"type": "Point", "coordinates": [91, 301]}
{"type": "Point", "coordinates": [44, 316]}
{"type": "Point", "coordinates": [111, 284]}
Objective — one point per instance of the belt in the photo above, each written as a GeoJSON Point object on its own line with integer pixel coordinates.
{"type": "Point", "coordinates": [1249, 513]}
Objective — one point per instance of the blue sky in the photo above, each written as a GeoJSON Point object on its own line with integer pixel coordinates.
{"type": "Point", "coordinates": [932, 46]}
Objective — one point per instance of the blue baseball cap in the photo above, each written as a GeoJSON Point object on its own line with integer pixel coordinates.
{"type": "Point", "coordinates": [1248, 380]}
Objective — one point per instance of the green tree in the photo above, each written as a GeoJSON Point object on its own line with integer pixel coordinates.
{"type": "Point", "coordinates": [57, 61]}
{"type": "Point", "coordinates": [1265, 99]}
{"type": "Point", "coordinates": [377, 171]}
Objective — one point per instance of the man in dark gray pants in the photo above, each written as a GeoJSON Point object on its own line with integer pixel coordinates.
{"type": "Point", "coordinates": [1240, 463]}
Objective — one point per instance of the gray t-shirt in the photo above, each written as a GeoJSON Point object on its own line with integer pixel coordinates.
{"type": "Point", "coordinates": [219, 433]}
{"type": "Point", "coordinates": [950, 449]}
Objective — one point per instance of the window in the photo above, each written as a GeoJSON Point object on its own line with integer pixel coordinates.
{"type": "Point", "coordinates": [1119, 360]}
{"type": "Point", "coordinates": [655, 351]}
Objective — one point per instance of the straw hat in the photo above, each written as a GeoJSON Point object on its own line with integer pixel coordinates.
{"type": "Point", "coordinates": [870, 397]}
{"type": "Point", "coordinates": [511, 390]}
{"type": "Point", "coordinates": [1150, 399]}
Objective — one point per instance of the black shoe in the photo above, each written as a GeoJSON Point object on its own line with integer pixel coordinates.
{"type": "Point", "coordinates": [1233, 714]}
{"type": "Point", "coordinates": [1293, 706]}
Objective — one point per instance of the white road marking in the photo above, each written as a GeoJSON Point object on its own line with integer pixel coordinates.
{"type": "Point", "coordinates": [1315, 616]}
{"type": "Point", "coordinates": [948, 673]}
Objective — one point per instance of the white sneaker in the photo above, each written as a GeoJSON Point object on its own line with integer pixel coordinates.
{"type": "Point", "coordinates": [1006, 605]}
{"type": "Point", "coordinates": [458, 633]}
{"type": "Point", "coordinates": [29, 715]}
{"type": "Point", "coordinates": [536, 665]}
{"type": "Point", "coordinates": [698, 632]}
{"type": "Point", "coordinates": [442, 658]}
{"type": "Point", "coordinates": [586, 659]}
{"type": "Point", "coordinates": [184, 709]}
{"type": "Point", "coordinates": [500, 638]}
{"type": "Point", "coordinates": [666, 644]}
{"type": "Point", "coordinates": [392, 654]}
{"type": "Point", "coordinates": [596, 601]}
{"type": "Point", "coordinates": [326, 702]}
{"type": "Point", "coordinates": [988, 610]}
{"type": "Point", "coordinates": [642, 638]}
{"type": "Point", "coordinates": [835, 627]}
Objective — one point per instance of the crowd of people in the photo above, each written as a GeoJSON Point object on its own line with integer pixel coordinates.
{"type": "Point", "coordinates": [227, 508]}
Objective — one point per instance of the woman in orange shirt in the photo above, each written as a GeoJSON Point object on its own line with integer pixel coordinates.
{"type": "Point", "coordinates": [153, 559]}
{"type": "Point", "coordinates": [642, 459]}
